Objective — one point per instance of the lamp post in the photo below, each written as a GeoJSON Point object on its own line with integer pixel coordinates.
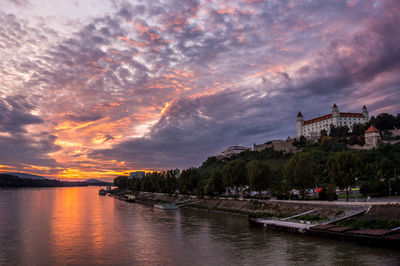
{"type": "Point", "coordinates": [355, 179]}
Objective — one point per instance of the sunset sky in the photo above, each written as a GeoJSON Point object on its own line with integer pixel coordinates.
{"type": "Point", "coordinates": [97, 88]}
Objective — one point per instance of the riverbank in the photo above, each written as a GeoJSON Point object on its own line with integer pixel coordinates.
{"type": "Point", "coordinates": [322, 211]}
{"type": "Point", "coordinates": [371, 223]}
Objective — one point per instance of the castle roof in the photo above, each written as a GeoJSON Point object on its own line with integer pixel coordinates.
{"type": "Point", "coordinates": [334, 105]}
{"type": "Point", "coordinates": [351, 115]}
{"type": "Point", "coordinates": [364, 107]}
{"type": "Point", "coordinates": [299, 114]}
{"type": "Point", "coordinates": [371, 129]}
{"type": "Point", "coordinates": [324, 117]}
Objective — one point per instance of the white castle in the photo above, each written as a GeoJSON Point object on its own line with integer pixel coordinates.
{"type": "Point", "coordinates": [312, 128]}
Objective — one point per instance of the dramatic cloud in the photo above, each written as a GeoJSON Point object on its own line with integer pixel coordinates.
{"type": "Point", "coordinates": [164, 84]}
{"type": "Point", "coordinates": [20, 148]}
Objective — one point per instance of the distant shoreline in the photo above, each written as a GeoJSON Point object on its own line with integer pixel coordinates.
{"type": "Point", "coordinates": [11, 181]}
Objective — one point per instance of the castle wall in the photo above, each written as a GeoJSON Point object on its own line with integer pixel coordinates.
{"type": "Point", "coordinates": [277, 145]}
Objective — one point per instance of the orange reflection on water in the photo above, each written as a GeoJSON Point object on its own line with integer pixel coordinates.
{"type": "Point", "coordinates": [75, 215]}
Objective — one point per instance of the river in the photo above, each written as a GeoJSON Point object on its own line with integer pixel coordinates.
{"type": "Point", "coordinates": [76, 226]}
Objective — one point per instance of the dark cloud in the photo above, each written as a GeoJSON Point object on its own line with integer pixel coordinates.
{"type": "Point", "coordinates": [15, 116]}
{"type": "Point", "coordinates": [18, 147]}
{"type": "Point", "coordinates": [193, 129]}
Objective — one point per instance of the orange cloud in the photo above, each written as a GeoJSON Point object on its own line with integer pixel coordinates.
{"type": "Point", "coordinates": [132, 42]}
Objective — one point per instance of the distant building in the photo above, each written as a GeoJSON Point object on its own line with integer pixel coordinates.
{"type": "Point", "coordinates": [313, 127]}
{"type": "Point", "coordinates": [229, 152]}
{"type": "Point", "coordinates": [177, 173]}
{"type": "Point", "coordinates": [137, 174]}
{"type": "Point", "coordinates": [372, 137]}
{"type": "Point", "coordinates": [394, 132]}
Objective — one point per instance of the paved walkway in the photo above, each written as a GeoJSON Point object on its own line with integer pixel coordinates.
{"type": "Point", "coordinates": [337, 203]}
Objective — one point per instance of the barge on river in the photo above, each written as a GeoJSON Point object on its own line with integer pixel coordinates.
{"type": "Point", "coordinates": [375, 237]}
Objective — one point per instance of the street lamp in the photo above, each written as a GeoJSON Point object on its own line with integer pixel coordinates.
{"type": "Point", "coordinates": [355, 179]}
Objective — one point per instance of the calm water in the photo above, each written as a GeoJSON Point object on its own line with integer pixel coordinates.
{"type": "Point", "coordinates": [76, 226]}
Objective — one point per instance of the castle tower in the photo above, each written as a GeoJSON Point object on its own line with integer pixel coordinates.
{"type": "Point", "coordinates": [335, 115]}
{"type": "Point", "coordinates": [365, 113]}
{"type": "Point", "coordinates": [299, 125]}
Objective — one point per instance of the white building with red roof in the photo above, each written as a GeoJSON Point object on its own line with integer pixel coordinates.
{"type": "Point", "coordinates": [372, 136]}
{"type": "Point", "coordinates": [313, 127]}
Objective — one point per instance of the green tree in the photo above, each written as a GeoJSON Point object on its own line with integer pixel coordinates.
{"type": "Point", "coordinates": [339, 131]}
{"type": "Point", "coordinates": [146, 184]}
{"type": "Point", "coordinates": [398, 120]}
{"type": "Point", "coordinates": [300, 172]}
{"type": "Point", "coordinates": [384, 121]}
{"type": "Point", "coordinates": [188, 180]}
{"type": "Point", "coordinates": [170, 181]}
{"type": "Point", "coordinates": [259, 175]}
{"type": "Point", "coordinates": [301, 142]}
{"type": "Point", "coordinates": [121, 182]}
{"type": "Point", "coordinates": [359, 129]}
{"type": "Point", "coordinates": [215, 185]}
{"type": "Point", "coordinates": [344, 167]}
{"type": "Point", "coordinates": [136, 184]}
{"type": "Point", "coordinates": [323, 133]}
{"type": "Point", "coordinates": [234, 174]}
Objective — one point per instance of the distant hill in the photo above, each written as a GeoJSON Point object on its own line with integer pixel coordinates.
{"type": "Point", "coordinates": [8, 180]}
{"type": "Point", "coordinates": [29, 176]}
{"type": "Point", "coordinates": [96, 182]}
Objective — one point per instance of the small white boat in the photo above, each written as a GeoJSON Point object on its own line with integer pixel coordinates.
{"type": "Point", "coordinates": [166, 206]}
{"type": "Point", "coordinates": [130, 198]}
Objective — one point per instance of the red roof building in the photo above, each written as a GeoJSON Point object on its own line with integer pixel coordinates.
{"type": "Point", "coordinates": [371, 129]}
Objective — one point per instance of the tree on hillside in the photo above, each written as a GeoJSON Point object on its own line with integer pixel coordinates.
{"type": "Point", "coordinates": [234, 174]}
{"type": "Point", "coordinates": [329, 143]}
{"type": "Point", "coordinates": [301, 142]}
{"type": "Point", "coordinates": [344, 167]}
{"type": "Point", "coordinates": [398, 120]}
{"type": "Point", "coordinates": [359, 129]}
{"type": "Point", "coordinates": [259, 175]}
{"type": "Point", "coordinates": [384, 121]}
{"type": "Point", "coordinates": [339, 131]}
{"type": "Point", "coordinates": [299, 172]}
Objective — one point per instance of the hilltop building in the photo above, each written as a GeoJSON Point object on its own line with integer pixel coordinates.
{"type": "Point", "coordinates": [137, 174]}
{"type": "Point", "coordinates": [312, 128]}
{"type": "Point", "coordinates": [229, 152]}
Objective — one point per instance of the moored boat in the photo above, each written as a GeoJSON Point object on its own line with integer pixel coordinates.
{"type": "Point", "coordinates": [102, 192]}
{"type": "Point", "coordinates": [130, 198]}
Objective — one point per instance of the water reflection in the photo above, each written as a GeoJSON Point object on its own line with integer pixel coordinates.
{"type": "Point", "coordinates": [75, 226]}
